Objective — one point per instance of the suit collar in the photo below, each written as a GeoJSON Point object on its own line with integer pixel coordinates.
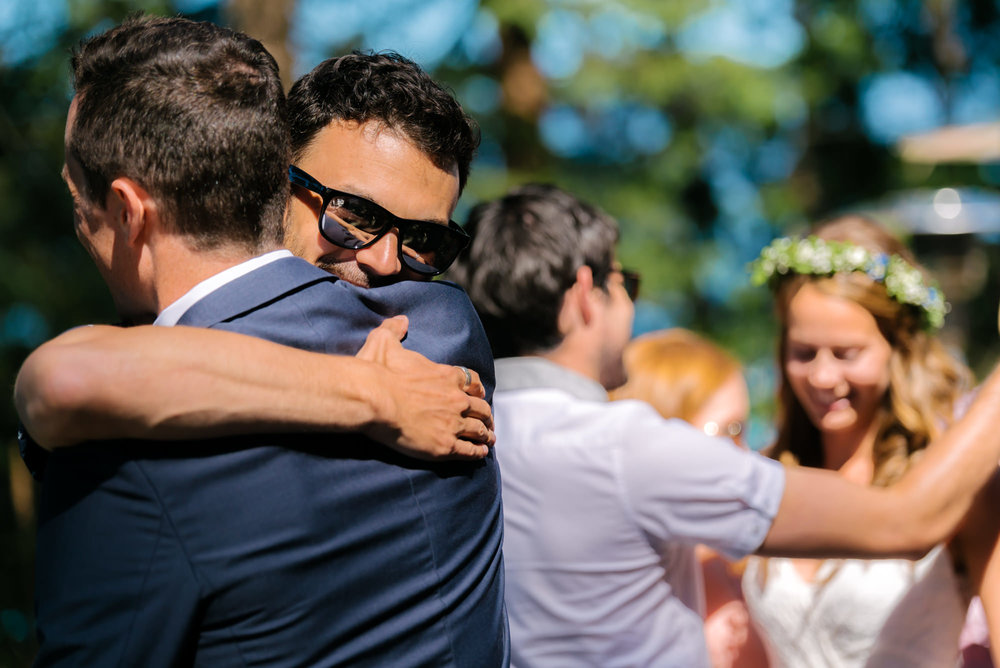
{"type": "Point", "coordinates": [261, 286]}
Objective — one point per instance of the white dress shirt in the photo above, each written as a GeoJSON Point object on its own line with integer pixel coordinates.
{"type": "Point", "coordinates": [169, 316]}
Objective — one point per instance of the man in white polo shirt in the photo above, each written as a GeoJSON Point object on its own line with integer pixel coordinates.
{"type": "Point", "coordinates": [605, 501]}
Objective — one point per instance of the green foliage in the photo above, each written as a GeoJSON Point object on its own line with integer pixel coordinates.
{"type": "Point", "coordinates": [695, 212]}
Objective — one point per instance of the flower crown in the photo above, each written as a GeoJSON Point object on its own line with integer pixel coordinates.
{"type": "Point", "coordinates": [816, 256]}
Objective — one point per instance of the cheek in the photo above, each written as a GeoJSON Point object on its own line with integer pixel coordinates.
{"type": "Point", "coordinates": [78, 230]}
{"type": "Point", "coordinates": [872, 376]}
{"type": "Point", "coordinates": [302, 237]}
{"type": "Point", "coordinates": [628, 313]}
{"type": "Point", "coordinates": [87, 232]}
{"type": "Point", "coordinates": [798, 376]}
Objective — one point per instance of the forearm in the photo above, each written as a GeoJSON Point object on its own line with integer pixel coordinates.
{"type": "Point", "coordinates": [823, 515]}
{"type": "Point", "coordinates": [176, 383]}
{"type": "Point", "coordinates": [940, 489]}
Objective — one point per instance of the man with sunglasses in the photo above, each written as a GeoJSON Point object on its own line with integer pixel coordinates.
{"type": "Point", "coordinates": [380, 156]}
{"type": "Point", "coordinates": [290, 549]}
{"type": "Point", "coordinates": [348, 123]}
{"type": "Point", "coordinates": [605, 501]}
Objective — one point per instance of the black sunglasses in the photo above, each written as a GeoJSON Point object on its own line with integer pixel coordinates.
{"type": "Point", "coordinates": [353, 222]}
{"type": "Point", "coordinates": [630, 281]}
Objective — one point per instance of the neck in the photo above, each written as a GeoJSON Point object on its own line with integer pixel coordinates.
{"type": "Point", "coordinates": [175, 267]}
{"type": "Point", "coordinates": [573, 356]}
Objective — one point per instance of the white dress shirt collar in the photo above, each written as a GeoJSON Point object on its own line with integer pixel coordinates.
{"type": "Point", "coordinates": [169, 316]}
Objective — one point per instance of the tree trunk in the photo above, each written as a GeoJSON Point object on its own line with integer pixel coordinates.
{"type": "Point", "coordinates": [268, 21]}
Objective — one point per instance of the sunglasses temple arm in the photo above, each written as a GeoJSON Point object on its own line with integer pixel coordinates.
{"type": "Point", "coordinates": [300, 178]}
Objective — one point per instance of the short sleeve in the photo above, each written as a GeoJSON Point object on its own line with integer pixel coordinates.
{"type": "Point", "coordinates": [683, 486]}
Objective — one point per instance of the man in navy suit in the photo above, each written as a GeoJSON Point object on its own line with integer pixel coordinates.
{"type": "Point", "coordinates": [287, 549]}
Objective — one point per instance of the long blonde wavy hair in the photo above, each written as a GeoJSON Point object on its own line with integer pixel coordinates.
{"type": "Point", "coordinates": [924, 379]}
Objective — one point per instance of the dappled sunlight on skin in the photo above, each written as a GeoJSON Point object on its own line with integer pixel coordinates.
{"type": "Point", "coordinates": [696, 191]}
{"type": "Point", "coordinates": [393, 173]}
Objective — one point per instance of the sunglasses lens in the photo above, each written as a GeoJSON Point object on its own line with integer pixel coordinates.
{"type": "Point", "coordinates": [631, 283]}
{"type": "Point", "coordinates": [430, 248]}
{"type": "Point", "coordinates": [352, 222]}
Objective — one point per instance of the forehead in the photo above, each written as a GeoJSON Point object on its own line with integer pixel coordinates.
{"type": "Point", "coordinates": [731, 395]}
{"type": "Point", "coordinates": [821, 319]}
{"type": "Point", "coordinates": [384, 166]}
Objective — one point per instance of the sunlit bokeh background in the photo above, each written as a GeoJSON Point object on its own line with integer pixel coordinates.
{"type": "Point", "coordinates": [705, 128]}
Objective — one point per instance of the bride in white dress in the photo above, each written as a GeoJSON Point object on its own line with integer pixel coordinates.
{"type": "Point", "coordinates": [864, 387]}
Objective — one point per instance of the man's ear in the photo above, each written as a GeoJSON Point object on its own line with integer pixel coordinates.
{"type": "Point", "coordinates": [581, 293]}
{"type": "Point", "coordinates": [135, 209]}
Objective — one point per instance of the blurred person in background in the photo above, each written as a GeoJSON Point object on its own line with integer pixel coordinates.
{"type": "Point", "coordinates": [865, 387]}
{"type": "Point", "coordinates": [604, 501]}
{"type": "Point", "coordinates": [686, 376]}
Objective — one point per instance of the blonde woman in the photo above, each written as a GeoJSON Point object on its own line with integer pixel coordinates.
{"type": "Point", "coordinates": [683, 375]}
{"type": "Point", "coordinates": [865, 386]}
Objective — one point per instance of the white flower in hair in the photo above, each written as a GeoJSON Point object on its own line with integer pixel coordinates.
{"type": "Point", "coordinates": [855, 257]}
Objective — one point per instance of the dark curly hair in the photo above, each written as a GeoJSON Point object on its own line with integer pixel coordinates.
{"type": "Point", "coordinates": [389, 89]}
{"type": "Point", "coordinates": [193, 112]}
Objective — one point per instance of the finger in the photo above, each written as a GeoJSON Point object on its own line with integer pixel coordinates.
{"type": "Point", "coordinates": [374, 347]}
{"type": "Point", "coordinates": [479, 409]}
{"type": "Point", "coordinates": [476, 431]}
{"type": "Point", "coordinates": [390, 331]}
{"type": "Point", "coordinates": [396, 325]}
{"type": "Point", "coordinates": [470, 382]}
{"type": "Point", "coordinates": [465, 450]}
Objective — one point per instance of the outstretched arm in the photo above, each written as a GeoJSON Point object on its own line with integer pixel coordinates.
{"type": "Point", "coordinates": [180, 383]}
{"type": "Point", "coordinates": [822, 514]}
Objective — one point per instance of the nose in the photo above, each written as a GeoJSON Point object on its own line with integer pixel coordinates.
{"type": "Point", "coordinates": [824, 372]}
{"type": "Point", "coordinates": [382, 257]}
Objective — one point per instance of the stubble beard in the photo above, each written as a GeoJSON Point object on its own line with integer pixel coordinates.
{"type": "Point", "coordinates": [349, 271]}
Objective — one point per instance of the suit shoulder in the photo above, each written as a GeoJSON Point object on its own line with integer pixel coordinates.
{"type": "Point", "coordinates": [439, 296]}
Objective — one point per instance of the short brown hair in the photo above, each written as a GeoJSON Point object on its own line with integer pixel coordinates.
{"type": "Point", "coordinates": [194, 113]}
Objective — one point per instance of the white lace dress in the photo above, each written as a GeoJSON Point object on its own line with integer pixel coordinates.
{"type": "Point", "coordinates": [859, 613]}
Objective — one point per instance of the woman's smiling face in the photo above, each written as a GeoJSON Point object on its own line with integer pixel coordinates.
{"type": "Point", "coordinates": [836, 360]}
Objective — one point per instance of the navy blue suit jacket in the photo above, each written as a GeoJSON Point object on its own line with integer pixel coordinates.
{"type": "Point", "coordinates": [294, 550]}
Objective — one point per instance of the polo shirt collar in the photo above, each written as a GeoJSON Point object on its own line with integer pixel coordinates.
{"type": "Point", "coordinates": [524, 373]}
